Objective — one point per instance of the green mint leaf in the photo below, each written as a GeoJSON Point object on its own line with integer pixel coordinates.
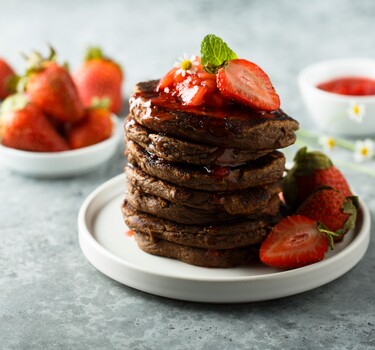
{"type": "Point", "coordinates": [215, 53]}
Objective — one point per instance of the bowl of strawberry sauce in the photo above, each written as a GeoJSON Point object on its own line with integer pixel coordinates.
{"type": "Point", "coordinates": [340, 95]}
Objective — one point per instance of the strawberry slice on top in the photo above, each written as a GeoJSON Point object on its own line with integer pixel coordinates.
{"type": "Point", "coordinates": [246, 83]}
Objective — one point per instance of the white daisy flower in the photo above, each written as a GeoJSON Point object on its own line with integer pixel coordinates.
{"type": "Point", "coordinates": [186, 65]}
{"type": "Point", "coordinates": [327, 142]}
{"type": "Point", "coordinates": [356, 112]}
{"type": "Point", "coordinates": [363, 150]}
{"type": "Point", "coordinates": [166, 90]}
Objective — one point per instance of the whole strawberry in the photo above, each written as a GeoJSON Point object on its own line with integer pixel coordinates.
{"type": "Point", "coordinates": [24, 126]}
{"type": "Point", "coordinates": [50, 87]}
{"type": "Point", "coordinates": [96, 126]}
{"type": "Point", "coordinates": [332, 209]}
{"type": "Point", "coordinates": [6, 72]}
{"type": "Point", "coordinates": [99, 77]}
{"type": "Point", "coordinates": [311, 170]}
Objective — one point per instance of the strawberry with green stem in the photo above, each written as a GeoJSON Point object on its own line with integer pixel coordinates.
{"type": "Point", "coordinates": [310, 171]}
{"type": "Point", "coordinates": [50, 87]}
{"type": "Point", "coordinates": [24, 126]}
{"type": "Point", "coordinates": [99, 77]}
{"type": "Point", "coordinates": [335, 212]}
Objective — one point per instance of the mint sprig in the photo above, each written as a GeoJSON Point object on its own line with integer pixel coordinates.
{"type": "Point", "coordinates": [215, 53]}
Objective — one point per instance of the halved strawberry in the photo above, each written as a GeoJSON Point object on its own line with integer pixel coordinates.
{"type": "Point", "coordinates": [246, 83]}
{"type": "Point", "coordinates": [294, 242]}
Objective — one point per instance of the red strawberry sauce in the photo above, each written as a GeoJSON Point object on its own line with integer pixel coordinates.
{"type": "Point", "coordinates": [353, 86]}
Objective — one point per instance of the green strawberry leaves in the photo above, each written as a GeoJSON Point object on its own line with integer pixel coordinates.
{"type": "Point", "coordinates": [94, 53]}
{"type": "Point", "coordinates": [307, 162]}
{"type": "Point", "coordinates": [14, 102]}
{"type": "Point", "coordinates": [351, 206]}
{"type": "Point", "coordinates": [215, 53]}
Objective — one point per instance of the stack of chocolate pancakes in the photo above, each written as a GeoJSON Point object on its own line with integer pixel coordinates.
{"type": "Point", "coordinates": [202, 184]}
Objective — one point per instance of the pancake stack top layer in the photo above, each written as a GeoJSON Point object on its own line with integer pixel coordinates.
{"type": "Point", "coordinates": [202, 183]}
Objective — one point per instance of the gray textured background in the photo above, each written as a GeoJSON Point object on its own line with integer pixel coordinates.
{"type": "Point", "coordinates": [51, 297]}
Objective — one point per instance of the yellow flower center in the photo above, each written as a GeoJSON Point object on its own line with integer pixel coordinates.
{"type": "Point", "coordinates": [356, 110]}
{"type": "Point", "coordinates": [364, 151]}
{"type": "Point", "coordinates": [186, 65]}
{"type": "Point", "coordinates": [331, 142]}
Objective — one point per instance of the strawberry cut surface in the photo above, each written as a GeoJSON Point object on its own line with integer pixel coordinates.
{"type": "Point", "coordinates": [246, 83]}
{"type": "Point", "coordinates": [294, 242]}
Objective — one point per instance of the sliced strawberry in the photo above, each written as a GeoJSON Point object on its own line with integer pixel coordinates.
{"type": "Point", "coordinates": [202, 74]}
{"type": "Point", "coordinates": [210, 84]}
{"type": "Point", "coordinates": [294, 242]}
{"type": "Point", "coordinates": [216, 99]}
{"type": "Point", "coordinates": [167, 80]}
{"type": "Point", "coordinates": [193, 96]}
{"type": "Point", "coordinates": [246, 83]}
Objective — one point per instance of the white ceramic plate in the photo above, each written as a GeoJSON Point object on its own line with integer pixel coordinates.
{"type": "Point", "coordinates": [103, 240]}
{"type": "Point", "coordinates": [62, 164]}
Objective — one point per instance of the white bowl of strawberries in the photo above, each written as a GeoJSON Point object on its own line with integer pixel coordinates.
{"type": "Point", "coordinates": [46, 131]}
{"type": "Point", "coordinates": [61, 164]}
{"type": "Point", "coordinates": [62, 161]}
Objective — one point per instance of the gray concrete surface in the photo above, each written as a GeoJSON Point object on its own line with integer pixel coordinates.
{"type": "Point", "coordinates": [51, 297]}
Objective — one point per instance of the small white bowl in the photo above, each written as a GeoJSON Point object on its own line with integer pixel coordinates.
{"type": "Point", "coordinates": [61, 164]}
{"type": "Point", "coordinates": [330, 111]}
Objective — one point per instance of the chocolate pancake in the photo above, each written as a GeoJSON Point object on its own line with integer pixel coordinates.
{"type": "Point", "coordinates": [232, 127]}
{"type": "Point", "coordinates": [244, 202]}
{"type": "Point", "coordinates": [217, 236]}
{"type": "Point", "coordinates": [164, 209]}
{"type": "Point", "coordinates": [179, 151]}
{"type": "Point", "coordinates": [222, 258]}
{"type": "Point", "coordinates": [262, 171]}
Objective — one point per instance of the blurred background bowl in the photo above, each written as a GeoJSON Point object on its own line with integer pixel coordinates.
{"type": "Point", "coordinates": [330, 111]}
{"type": "Point", "coordinates": [62, 164]}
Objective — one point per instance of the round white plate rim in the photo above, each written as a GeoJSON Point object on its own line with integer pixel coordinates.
{"type": "Point", "coordinates": [85, 237]}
